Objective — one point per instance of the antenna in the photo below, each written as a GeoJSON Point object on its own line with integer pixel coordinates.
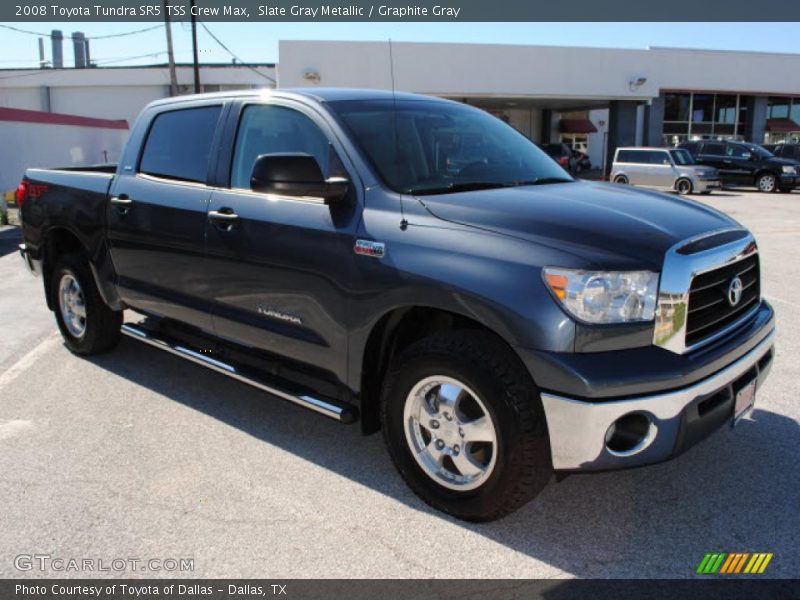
{"type": "Point", "coordinates": [403, 222]}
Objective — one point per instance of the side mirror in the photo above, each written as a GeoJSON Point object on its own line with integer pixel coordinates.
{"type": "Point", "coordinates": [296, 174]}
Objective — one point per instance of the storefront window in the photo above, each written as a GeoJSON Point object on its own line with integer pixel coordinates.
{"type": "Point", "coordinates": [676, 107]}
{"type": "Point", "coordinates": [794, 115]}
{"type": "Point", "coordinates": [725, 109]}
{"type": "Point", "coordinates": [778, 108]}
{"type": "Point", "coordinates": [702, 108]}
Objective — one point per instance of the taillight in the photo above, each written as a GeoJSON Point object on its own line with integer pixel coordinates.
{"type": "Point", "coordinates": [563, 160]}
{"type": "Point", "coordinates": [21, 194]}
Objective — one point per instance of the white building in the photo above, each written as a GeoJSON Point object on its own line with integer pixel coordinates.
{"type": "Point", "coordinates": [600, 97]}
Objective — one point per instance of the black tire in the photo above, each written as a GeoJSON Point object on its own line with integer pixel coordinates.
{"type": "Point", "coordinates": [767, 183]}
{"type": "Point", "coordinates": [522, 465]}
{"type": "Point", "coordinates": [683, 186]}
{"type": "Point", "coordinates": [102, 324]}
{"type": "Point", "coordinates": [706, 193]}
{"type": "Point", "coordinates": [621, 179]}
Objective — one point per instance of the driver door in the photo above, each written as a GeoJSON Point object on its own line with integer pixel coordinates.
{"type": "Point", "coordinates": [279, 267]}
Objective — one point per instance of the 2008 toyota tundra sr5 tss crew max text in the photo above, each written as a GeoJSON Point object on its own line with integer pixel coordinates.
{"type": "Point", "coordinates": [418, 266]}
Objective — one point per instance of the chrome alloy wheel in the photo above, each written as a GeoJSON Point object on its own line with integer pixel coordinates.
{"type": "Point", "coordinates": [72, 305]}
{"type": "Point", "coordinates": [766, 183]}
{"type": "Point", "coordinates": [450, 433]}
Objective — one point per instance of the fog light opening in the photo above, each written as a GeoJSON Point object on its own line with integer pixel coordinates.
{"type": "Point", "coordinates": [630, 434]}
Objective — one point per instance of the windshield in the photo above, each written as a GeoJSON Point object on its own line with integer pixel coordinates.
{"type": "Point", "coordinates": [440, 147]}
{"type": "Point", "coordinates": [682, 157]}
{"type": "Point", "coordinates": [759, 151]}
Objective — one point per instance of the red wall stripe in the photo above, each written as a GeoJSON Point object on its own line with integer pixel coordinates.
{"type": "Point", "coordinates": [35, 116]}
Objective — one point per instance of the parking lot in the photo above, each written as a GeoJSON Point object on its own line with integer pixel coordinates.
{"type": "Point", "coordinates": [138, 454]}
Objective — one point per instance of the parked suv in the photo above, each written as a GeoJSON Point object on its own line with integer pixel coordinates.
{"type": "Point", "coordinates": [788, 151]}
{"type": "Point", "coordinates": [673, 169]}
{"type": "Point", "coordinates": [742, 163]}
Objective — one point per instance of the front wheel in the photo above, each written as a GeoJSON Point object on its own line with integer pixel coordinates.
{"type": "Point", "coordinates": [87, 324]}
{"type": "Point", "coordinates": [766, 182]}
{"type": "Point", "coordinates": [465, 426]}
{"type": "Point", "coordinates": [683, 186]}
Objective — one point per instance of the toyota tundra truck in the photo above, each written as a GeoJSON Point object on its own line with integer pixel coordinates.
{"type": "Point", "coordinates": [419, 267]}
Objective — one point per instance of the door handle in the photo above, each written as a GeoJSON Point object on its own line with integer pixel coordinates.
{"type": "Point", "coordinates": [223, 219]}
{"type": "Point", "coordinates": [121, 200]}
{"type": "Point", "coordinates": [226, 215]}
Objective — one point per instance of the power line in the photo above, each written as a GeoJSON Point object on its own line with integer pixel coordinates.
{"type": "Point", "coordinates": [229, 51]}
{"type": "Point", "coordinates": [97, 37]}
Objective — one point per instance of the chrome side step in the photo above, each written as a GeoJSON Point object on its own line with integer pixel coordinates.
{"type": "Point", "coordinates": [341, 412]}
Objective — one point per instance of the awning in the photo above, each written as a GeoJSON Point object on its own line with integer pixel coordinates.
{"type": "Point", "coordinates": [782, 125]}
{"type": "Point", "coordinates": [576, 126]}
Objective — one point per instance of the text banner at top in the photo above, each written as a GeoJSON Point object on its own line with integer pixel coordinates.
{"type": "Point", "coordinates": [433, 10]}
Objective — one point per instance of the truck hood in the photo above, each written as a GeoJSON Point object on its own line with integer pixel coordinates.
{"type": "Point", "coordinates": [606, 225]}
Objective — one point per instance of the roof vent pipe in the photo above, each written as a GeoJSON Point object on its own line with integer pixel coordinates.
{"type": "Point", "coordinates": [79, 45]}
{"type": "Point", "coordinates": [56, 38]}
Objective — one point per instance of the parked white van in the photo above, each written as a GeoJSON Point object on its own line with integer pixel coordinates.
{"type": "Point", "coordinates": [666, 168]}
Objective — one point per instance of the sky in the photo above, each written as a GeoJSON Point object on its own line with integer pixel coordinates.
{"type": "Point", "coordinates": [258, 42]}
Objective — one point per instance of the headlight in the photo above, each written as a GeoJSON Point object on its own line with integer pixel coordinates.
{"type": "Point", "coordinates": [605, 296]}
{"type": "Point", "coordinates": [789, 170]}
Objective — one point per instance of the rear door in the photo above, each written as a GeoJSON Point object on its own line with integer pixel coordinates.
{"type": "Point", "coordinates": [157, 215]}
{"type": "Point", "coordinates": [280, 268]}
{"type": "Point", "coordinates": [662, 172]}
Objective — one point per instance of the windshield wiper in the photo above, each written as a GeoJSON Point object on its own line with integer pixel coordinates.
{"type": "Point", "coordinates": [451, 188]}
{"type": "Point", "coordinates": [540, 181]}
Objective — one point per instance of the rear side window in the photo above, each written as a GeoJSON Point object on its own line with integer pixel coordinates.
{"type": "Point", "coordinates": [179, 144]}
{"type": "Point", "coordinates": [714, 149]}
{"type": "Point", "coordinates": [633, 156]}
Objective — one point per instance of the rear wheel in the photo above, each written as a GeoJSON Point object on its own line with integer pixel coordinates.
{"type": "Point", "coordinates": [766, 182]}
{"type": "Point", "coordinates": [465, 426]}
{"type": "Point", "coordinates": [621, 179]}
{"type": "Point", "coordinates": [683, 186]}
{"type": "Point", "coordinates": [87, 324]}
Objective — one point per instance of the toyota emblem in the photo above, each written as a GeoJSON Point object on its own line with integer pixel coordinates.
{"type": "Point", "coordinates": [735, 291]}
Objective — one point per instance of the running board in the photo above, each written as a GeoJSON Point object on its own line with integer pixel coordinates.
{"type": "Point", "coordinates": [341, 412]}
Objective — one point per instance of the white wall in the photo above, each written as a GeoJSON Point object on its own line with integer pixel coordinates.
{"type": "Point", "coordinates": [595, 142]}
{"type": "Point", "coordinates": [47, 145]}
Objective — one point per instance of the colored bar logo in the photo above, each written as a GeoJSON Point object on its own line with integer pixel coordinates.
{"type": "Point", "coordinates": [734, 563]}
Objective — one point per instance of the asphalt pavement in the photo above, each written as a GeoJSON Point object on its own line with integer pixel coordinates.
{"type": "Point", "coordinates": [139, 455]}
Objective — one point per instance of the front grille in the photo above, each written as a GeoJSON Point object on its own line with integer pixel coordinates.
{"type": "Point", "coordinates": [709, 308]}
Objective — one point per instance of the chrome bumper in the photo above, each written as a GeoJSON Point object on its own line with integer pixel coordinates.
{"type": "Point", "coordinates": [578, 428]}
{"type": "Point", "coordinates": [34, 266]}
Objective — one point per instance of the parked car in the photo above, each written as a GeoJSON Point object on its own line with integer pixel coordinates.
{"type": "Point", "coordinates": [497, 323]}
{"type": "Point", "coordinates": [668, 169]}
{"type": "Point", "coordinates": [788, 151]}
{"type": "Point", "coordinates": [562, 154]}
{"type": "Point", "coordinates": [582, 162]}
{"type": "Point", "coordinates": [743, 163]}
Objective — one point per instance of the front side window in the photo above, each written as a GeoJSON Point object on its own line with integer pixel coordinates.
{"type": "Point", "coordinates": [714, 149]}
{"type": "Point", "coordinates": [681, 157]}
{"type": "Point", "coordinates": [659, 158]}
{"type": "Point", "coordinates": [179, 144]}
{"type": "Point", "coordinates": [267, 129]}
{"type": "Point", "coordinates": [430, 147]}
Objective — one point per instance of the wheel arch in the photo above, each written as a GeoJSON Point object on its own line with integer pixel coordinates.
{"type": "Point", "coordinates": [396, 330]}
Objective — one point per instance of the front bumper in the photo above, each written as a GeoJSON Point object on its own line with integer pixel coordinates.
{"type": "Point", "coordinates": [786, 180]}
{"type": "Point", "coordinates": [678, 419]}
{"type": "Point", "coordinates": [706, 185]}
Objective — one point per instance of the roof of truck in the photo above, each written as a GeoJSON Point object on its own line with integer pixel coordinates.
{"type": "Point", "coordinates": [318, 94]}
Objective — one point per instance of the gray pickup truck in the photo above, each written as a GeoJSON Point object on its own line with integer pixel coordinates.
{"type": "Point", "coordinates": [419, 267]}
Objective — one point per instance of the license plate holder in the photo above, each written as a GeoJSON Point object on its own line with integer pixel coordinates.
{"type": "Point", "coordinates": [744, 401]}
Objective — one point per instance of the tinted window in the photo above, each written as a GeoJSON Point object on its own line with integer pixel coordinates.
{"type": "Point", "coordinates": [690, 146]}
{"type": "Point", "coordinates": [738, 151]}
{"type": "Point", "coordinates": [275, 130]}
{"type": "Point", "coordinates": [658, 157]}
{"type": "Point", "coordinates": [179, 144]}
{"type": "Point", "coordinates": [681, 157]}
{"type": "Point", "coordinates": [641, 157]}
{"type": "Point", "coordinates": [714, 149]}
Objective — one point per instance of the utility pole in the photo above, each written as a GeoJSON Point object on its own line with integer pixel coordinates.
{"type": "Point", "coordinates": [173, 77]}
{"type": "Point", "coordinates": [194, 50]}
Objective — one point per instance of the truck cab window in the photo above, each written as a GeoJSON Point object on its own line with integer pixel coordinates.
{"type": "Point", "coordinates": [179, 144]}
{"type": "Point", "coordinates": [272, 130]}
